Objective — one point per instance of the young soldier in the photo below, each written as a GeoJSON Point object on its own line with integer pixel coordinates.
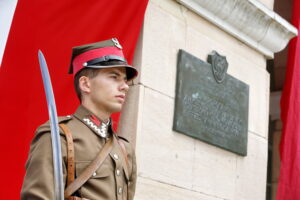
{"type": "Point", "coordinates": [101, 76]}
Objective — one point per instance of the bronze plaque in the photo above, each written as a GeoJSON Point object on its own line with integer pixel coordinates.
{"type": "Point", "coordinates": [211, 105]}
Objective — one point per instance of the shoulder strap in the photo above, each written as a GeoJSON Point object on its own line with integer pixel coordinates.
{"type": "Point", "coordinates": [70, 154]}
{"type": "Point", "coordinates": [91, 168]}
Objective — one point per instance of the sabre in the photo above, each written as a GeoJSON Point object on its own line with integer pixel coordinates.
{"type": "Point", "coordinates": [55, 138]}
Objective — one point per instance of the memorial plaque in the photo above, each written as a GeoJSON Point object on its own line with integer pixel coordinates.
{"type": "Point", "coordinates": [211, 105]}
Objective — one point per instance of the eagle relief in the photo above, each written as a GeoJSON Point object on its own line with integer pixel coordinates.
{"type": "Point", "coordinates": [219, 66]}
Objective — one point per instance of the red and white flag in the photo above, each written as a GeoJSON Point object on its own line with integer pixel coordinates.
{"type": "Point", "coordinates": [54, 27]}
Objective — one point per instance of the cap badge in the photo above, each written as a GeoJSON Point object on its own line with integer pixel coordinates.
{"type": "Point", "coordinates": [116, 43]}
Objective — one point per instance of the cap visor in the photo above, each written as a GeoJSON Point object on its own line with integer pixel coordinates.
{"type": "Point", "coordinates": [130, 71]}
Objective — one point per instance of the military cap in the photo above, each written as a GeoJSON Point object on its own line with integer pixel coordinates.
{"type": "Point", "coordinates": [104, 54]}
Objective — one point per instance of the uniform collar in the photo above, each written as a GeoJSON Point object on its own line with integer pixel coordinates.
{"type": "Point", "coordinates": [93, 122]}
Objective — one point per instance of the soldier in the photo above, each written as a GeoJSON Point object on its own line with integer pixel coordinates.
{"type": "Point", "coordinates": [101, 76]}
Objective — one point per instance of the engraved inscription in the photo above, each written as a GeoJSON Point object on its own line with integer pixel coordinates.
{"type": "Point", "coordinates": [214, 115]}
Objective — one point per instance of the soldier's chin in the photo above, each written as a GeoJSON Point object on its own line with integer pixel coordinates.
{"type": "Point", "coordinates": [117, 108]}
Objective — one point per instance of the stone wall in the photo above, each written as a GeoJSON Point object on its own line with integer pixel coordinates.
{"type": "Point", "coordinates": [268, 3]}
{"type": "Point", "coordinates": [175, 166]}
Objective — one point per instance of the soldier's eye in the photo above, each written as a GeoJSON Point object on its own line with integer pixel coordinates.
{"type": "Point", "coordinates": [114, 77]}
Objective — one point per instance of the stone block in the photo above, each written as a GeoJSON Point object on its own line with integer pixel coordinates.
{"type": "Point", "coordinates": [128, 124]}
{"type": "Point", "coordinates": [137, 58]}
{"type": "Point", "coordinates": [149, 190]}
{"type": "Point", "coordinates": [163, 155]}
{"type": "Point", "coordinates": [251, 174]}
{"type": "Point", "coordinates": [268, 3]}
{"type": "Point", "coordinates": [163, 36]}
{"type": "Point", "coordinates": [214, 171]}
{"type": "Point", "coordinates": [170, 6]}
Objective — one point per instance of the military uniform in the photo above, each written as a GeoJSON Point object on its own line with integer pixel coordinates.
{"type": "Point", "coordinates": [115, 179]}
{"type": "Point", "coordinates": [112, 181]}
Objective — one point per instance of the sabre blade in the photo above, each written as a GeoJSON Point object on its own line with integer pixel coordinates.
{"type": "Point", "coordinates": [55, 138]}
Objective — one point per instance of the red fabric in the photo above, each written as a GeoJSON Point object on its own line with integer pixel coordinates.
{"type": "Point", "coordinates": [289, 180]}
{"type": "Point", "coordinates": [54, 27]}
{"type": "Point", "coordinates": [92, 54]}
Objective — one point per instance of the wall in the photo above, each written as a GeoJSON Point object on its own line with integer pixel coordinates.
{"type": "Point", "coordinates": [175, 166]}
{"type": "Point", "coordinates": [268, 3]}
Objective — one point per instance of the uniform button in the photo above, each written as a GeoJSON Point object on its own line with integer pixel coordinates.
{"type": "Point", "coordinates": [85, 64]}
{"type": "Point", "coordinates": [116, 156]}
{"type": "Point", "coordinates": [94, 174]}
{"type": "Point", "coordinates": [120, 190]}
{"type": "Point", "coordinates": [118, 172]}
{"type": "Point", "coordinates": [68, 116]}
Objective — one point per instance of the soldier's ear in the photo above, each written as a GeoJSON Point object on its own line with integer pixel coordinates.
{"type": "Point", "coordinates": [84, 84]}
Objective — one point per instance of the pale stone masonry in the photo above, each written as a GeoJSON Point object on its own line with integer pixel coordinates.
{"type": "Point", "coordinates": [172, 166]}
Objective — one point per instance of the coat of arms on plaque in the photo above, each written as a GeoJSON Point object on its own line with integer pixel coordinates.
{"type": "Point", "coordinates": [219, 66]}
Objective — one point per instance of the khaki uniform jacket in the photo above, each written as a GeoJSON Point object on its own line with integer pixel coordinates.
{"type": "Point", "coordinates": [110, 182]}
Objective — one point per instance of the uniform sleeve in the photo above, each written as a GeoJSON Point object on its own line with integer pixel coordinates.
{"type": "Point", "coordinates": [38, 182]}
{"type": "Point", "coordinates": [133, 177]}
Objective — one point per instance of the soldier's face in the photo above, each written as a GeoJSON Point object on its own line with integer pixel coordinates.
{"type": "Point", "coordinates": [108, 89]}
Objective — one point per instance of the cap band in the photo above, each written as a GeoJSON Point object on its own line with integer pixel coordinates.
{"type": "Point", "coordinates": [105, 58]}
{"type": "Point", "coordinates": [78, 62]}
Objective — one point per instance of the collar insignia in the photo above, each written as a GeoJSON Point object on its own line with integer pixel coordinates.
{"type": "Point", "coordinates": [96, 125]}
{"type": "Point", "coordinates": [94, 119]}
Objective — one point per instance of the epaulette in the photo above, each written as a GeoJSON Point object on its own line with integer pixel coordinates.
{"type": "Point", "coordinates": [46, 126]}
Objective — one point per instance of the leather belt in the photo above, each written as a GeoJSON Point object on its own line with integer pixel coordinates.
{"type": "Point", "coordinates": [70, 154]}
